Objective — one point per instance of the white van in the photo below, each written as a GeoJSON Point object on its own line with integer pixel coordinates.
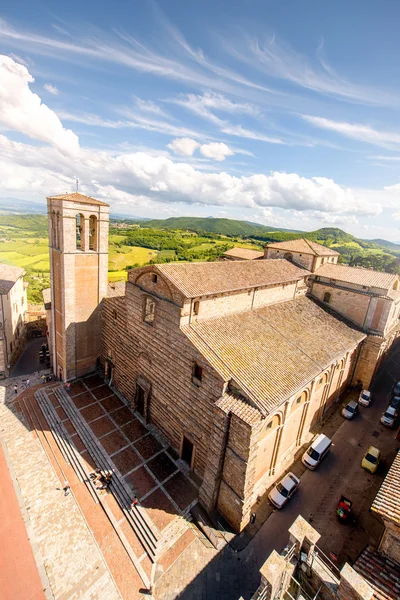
{"type": "Point", "coordinates": [316, 452]}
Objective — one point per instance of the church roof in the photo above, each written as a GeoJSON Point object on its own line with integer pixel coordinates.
{"type": "Point", "coordinates": [244, 253]}
{"type": "Point", "coordinates": [8, 277]}
{"type": "Point", "coordinates": [79, 198]}
{"type": "Point", "coordinates": [304, 246]}
{"type": "Point", "coordinates": [208, 278]}
{"type": "Point", "coordinates": [273, 352]}
{"type": "Point", "coordinates": [356, 275]}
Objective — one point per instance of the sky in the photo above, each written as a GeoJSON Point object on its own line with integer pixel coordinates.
{"type": "Point", "coordinates": [282, 113]}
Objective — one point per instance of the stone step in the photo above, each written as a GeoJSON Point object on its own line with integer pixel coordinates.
{"type": "Point", "coordinates": [137, 517]}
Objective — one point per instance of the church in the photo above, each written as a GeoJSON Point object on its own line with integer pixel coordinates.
{"type": "Point", "coordinates": [234, 363]}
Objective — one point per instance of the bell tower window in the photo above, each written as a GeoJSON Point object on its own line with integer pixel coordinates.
{"type": "Point", "coordinates": [80, 232]}
{"type": "Point", "coordinates": [92, 233]}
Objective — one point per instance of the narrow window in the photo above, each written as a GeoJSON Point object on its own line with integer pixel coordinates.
{"type": "Point", "coordinates": [115, 315]}
{"type": "Point", "coordinates": [197, 373]}
{"type": "Point", "coordinates": [80, 232]}
{"type": "Point", "coordinates": [154, 278]}
{"type": "Point", "coordinates": [92, 233]}
{"type": "Point", "coordinates": [149, 310]}
{"type": "Point", "coordinates": [196, 307]}
{"type": "Point", "coordinates": [327, 297]}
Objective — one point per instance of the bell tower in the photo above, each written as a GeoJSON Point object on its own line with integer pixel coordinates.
{"type": "Point", "coordinates": [78, 244]}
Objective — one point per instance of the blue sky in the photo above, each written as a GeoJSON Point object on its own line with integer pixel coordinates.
{"type": "Point", "coordinates": [282, 113]}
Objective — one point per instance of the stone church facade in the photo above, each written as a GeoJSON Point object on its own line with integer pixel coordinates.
{"type": "Point", "coordinates": [233, 362]}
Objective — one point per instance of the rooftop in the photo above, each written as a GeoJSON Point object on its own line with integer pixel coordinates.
{"type": "Point", "coordinates": [305, 247]}
{"type": "Point", "coordinates": [207, 278]}
{"type": "Point", "coordinates": [366, 277]}
{"type": "Point", "coordinates": [8, 277]}
{"type": "Point", "coordinates": [273, 352]}
{"type": "Point", "coordinates": [387, 500]}
{"type": "Point", "coordinates": [381, 573]}
{"type": "Point", "coordinates": [79, 198]}
{"type": "Point", "coordinates": [116, 288]}
{"type": "Point", "coordinates": [244, 253]}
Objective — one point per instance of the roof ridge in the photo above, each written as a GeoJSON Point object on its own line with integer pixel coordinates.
{"type": "Point", "coordinates": [309, 242]}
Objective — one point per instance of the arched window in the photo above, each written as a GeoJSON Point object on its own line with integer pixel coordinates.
{"type": "Point", "coordinates": [272, 424]}
{"type": "Point", "coordinates": [327, 297]}
{"type": "Point", "coordinates": [149, 310]}
{"type": "Point", "coordinates": [288, 256]}
{"type": "Point", "coordinates": [80, 232]}
{"type": "Point", "coordinates": [196, 307]}
{"type": "Point", "coordinates": [92, 233]}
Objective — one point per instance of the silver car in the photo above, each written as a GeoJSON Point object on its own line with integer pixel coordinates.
{"type": "Point", "coordinates": [389, 417]}
{"type": "Point", "coordinates": [350, 409]}
{"type": "Point", "coordinates": [365, 398]}
{"type": "Point", "coordinates": [284, 490]}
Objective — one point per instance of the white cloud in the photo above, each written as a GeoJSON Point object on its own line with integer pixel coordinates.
{"type": "Point", "coordinates": [52, 89]}
{"type": "Point", "coordinates": [239, 131]}
{"type": "Point", "coordinates": [216, 150]}
{"type": "Point", "coordinates": [149, 106]}
{"type": "Point", "coordinates": [21, 110]}
{"type": "Point", "coordinates": [183, 146]}
{"type": "Point", "coordinates": [357, 131]}
{"type": "Point", "coordinates": [24, 167]}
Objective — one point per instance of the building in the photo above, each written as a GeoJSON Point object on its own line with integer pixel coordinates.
{"type": "Point", "coordinates": [78, 243]}
{"type": "Point", "coordinates": [242, 254]}
{"type": "Point", "coordinates": [13, 306]}
{"type": "Point", "coordinates": [232, 362]}
{"type": "Point", "coordinates": [309, 255]}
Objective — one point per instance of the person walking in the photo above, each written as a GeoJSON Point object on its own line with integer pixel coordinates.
{"type": "Point", "coordinates": [135, 502]}
{"type": "Point", "coordinates": [15, 389]}
{"type": "Point", "coordinates": [27, 383]}
{"type": "Point", "coordinates": [68, 387]}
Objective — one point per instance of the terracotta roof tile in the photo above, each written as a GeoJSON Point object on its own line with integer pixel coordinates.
{"type": "Point", "coordinates": [305, 247]}
{"type": "Point", "coordinates": [79, 198]}
{"type": "Point", "coordinates": [356, 275]}
{"type": "Point", "coordinates": [115, 289]}
{"type": "Point", "coordinates": [387, 500]}
{"type": "Point", "coordinates": [231, 402]}
{"type": "Point", "coordinates": [381, 573]}
{"type": "Point", "coordinates": [244, 253]}
{"type": "Point", "coordinates": [273, 352]}
{"type": "Point", "coordinates": [207, 278]}
{"type": "Point", "coordinates": [8, 277]}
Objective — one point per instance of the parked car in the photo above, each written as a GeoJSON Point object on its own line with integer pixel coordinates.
{"type": "Point", "coordinates": [396, 389]}
{"type": "Point", "coordinates": [395, 402]}
{"type": "Point", "coordinates": [316, 452]}
{"type": "Point", "coordinates": [365, 398]}
{"type": "Point", "coordinates": [371, 459]}
{"type": "Point", "coordinates": [389, 417]}
{"type": "Point", "coordinates": [284, 490]}
{"type": "Point", "coordinates": [350, 409]}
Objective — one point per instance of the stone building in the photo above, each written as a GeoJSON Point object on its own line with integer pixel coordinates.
{"type": "Point", "coordinates": [233, 362]}
{"type": "Point", "coordinates": [13, 306]}
{"type": "Point", "coordinates": [78, 243]}
{"type": "Point", "coordinates": [309, 255]}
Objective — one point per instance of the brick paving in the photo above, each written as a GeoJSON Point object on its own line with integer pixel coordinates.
{"type": "Point", "coordinates": [73, 563]}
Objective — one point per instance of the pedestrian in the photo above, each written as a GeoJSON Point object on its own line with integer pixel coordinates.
{"type": "Point", "coordinates": [135, 502]}
{"type": "Point", "coordinates": [68, 387]}
{"type": "Point", "coordinates": [27, 383]}
{"type": "Point", "coordinates": [16, 389]}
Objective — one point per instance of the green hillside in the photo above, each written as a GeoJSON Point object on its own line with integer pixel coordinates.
{"type": "Point", "coordinates": [228, 227]}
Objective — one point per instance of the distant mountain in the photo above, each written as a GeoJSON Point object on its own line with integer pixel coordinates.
{"type": "Point", "coordinates": [386, 244]}
{"type": "Point", "coordinates": [16, 206]}
{"type": "Point", "coordinates": [229, 227]}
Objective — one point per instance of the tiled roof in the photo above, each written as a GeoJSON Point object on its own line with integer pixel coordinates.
{"type": "Point", "coordinates": [8, 277]}
{"type": "Point", "coordinates": [305, 247]}
{"type": "Point", "coordinates": [46, 294]}
{"type": "Point", "coordinates": [273, 352]}
{"type": "Point", "coordinates": [356, 275]}
{"type": "Point", "coordinates": [207, 278]}
{"type": "Point", "coordinates": [387, 500]}
{"type": "Point", "coordinates": [79, 198]}
{"type": "Point", "coordinates": [244, 253]}
{"type": "Point", "coordinates": [116, 288]}
{"type": "Point", "coordinates": [381, 573]}
{"type": "Point", "coordinates": [230, 402]}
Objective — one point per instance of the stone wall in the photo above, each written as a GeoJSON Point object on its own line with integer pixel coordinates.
{"type": "Point", "coordinates": [352, 305]}
{"type": "Point", "coordinates": [390, 542]}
